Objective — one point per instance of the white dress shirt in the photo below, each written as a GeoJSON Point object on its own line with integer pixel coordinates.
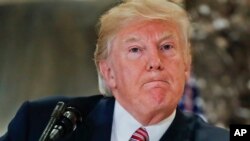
{"type": "Point", "coordinates": [124, 125]}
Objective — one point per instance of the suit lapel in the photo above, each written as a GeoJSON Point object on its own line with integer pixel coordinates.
{"type": "Point", "coordinates": [180, 129]}
{"type": "Point", "coordinates": [98, 124]}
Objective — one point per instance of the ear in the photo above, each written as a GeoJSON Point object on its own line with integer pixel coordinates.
{"type": "Point", "coordinates": [188, 61]}
{"type": "Point", "coordinates": [188, 67]}
{"type": "Point", "coordinates": [107, 73]}
{"type": "Point", "coordinates": [187, 72]}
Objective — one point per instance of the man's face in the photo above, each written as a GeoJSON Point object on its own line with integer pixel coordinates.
{"type": "Point", "coordinates": [146, 70]}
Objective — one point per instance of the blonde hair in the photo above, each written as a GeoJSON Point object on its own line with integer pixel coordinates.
{"type": "Point", "coordinates": [131, 10]}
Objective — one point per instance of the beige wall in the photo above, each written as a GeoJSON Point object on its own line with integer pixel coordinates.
{"type": "Point", "coordinates": [46, 49]}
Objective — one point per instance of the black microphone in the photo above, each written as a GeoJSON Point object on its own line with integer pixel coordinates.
{"type": "Point", "coordinates": [62, 123]}
{"type": "Point", "coordinates": [57, 112]}
{"type": "Point", "coordinates": [66, 124]}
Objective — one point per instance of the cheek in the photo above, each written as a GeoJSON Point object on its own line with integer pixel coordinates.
{"type": "Point", "coordinates": [128, 74]}
{"type": "Point", "coordinates": [177, 70]}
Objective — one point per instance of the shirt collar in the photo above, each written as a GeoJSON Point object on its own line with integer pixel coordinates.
{"type": "Point", "coordinates": [156, 131]}
{"type": "Point", "coordinates": [124, 125]}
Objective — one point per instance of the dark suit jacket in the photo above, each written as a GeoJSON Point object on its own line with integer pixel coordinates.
{"type": "Point", "coordinates": [32, 118]}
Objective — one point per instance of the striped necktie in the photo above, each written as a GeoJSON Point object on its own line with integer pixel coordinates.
{"type": "Point", "coordinates": [140, 134]}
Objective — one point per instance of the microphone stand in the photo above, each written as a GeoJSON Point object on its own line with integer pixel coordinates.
{"type": "Point", "coordinates": [57, 112]}
{"type": "Point", "coordinates": [63, 121]}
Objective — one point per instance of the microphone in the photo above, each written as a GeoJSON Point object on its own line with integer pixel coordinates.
{"type": "Point", "coordinates": [64, 120]}
{"type": "Point", "coordinates": [60, 106]}
{"type": "Point", "coordinates": [66, 124]}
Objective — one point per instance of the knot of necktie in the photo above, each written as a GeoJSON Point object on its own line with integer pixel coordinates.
{"type": "Point", "coordinates": [140, 134]}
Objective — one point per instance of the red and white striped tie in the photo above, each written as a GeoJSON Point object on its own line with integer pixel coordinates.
{"type": "Point", "coordinates": [140, 134]}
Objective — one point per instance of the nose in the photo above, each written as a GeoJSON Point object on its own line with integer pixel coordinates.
{"type": "Point", "coordinates": [155, 62]}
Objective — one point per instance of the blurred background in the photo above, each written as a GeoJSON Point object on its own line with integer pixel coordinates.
{"type": "Point", "coordinates": [46, 49]}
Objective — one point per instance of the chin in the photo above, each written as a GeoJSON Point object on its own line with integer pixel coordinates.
{"type": "Point", "coordinates": [157, 95]}
{"type": "Point", "coordinates": [157, 98]}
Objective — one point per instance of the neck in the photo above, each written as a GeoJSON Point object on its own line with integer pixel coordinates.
{"type": "Point", "coordinates": [148, 117]}
{"type": "Point", "coordinates": [151, 118]}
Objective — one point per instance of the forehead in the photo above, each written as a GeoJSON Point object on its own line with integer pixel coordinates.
{"type": "Point", "coordinates": [136, 30]}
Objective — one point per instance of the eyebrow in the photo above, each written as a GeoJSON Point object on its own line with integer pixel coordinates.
{"type": "Point", "coordinates": [131, 39]}
{"type": "Point", "coordinates": [164, 36]}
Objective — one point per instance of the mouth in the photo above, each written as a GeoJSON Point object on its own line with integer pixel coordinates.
{"type": "Point", "coordinates": [157, 83]}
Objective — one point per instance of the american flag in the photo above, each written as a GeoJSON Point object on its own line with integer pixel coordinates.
{"type": "Point", "coordinates": [191, 100]}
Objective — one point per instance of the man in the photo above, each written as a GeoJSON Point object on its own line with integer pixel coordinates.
{"type": "Point", "coordinates": [143, 61]}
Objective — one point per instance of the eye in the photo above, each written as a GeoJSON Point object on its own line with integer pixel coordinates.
{"type": "Point", "coordinates": [166, 47]}
{"type": "Point", "coordinates": [134, 50]}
